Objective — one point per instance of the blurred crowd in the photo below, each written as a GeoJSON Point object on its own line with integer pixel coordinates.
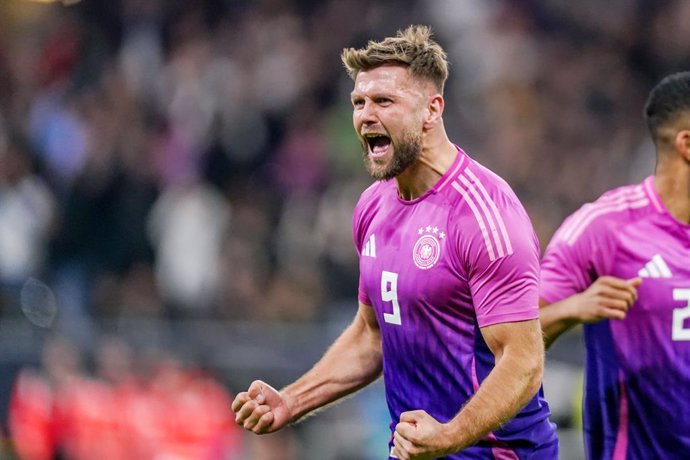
{"type": "Point", "coordinates": [188, 160]}
{"type": "Point", "coordinates": [550, 93]}
{"type": "Point", "coordinates": [122, 410]}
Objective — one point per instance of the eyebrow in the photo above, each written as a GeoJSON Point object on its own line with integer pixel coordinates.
{"type": "Point", "coordinates": [374, 95]}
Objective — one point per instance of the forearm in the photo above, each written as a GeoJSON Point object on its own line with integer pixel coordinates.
{"type": "Point", "coordinates": [352, 362]}
{"type": "Point", "coordinates": [555, 319]}
{"type": "Point", "coordinates": [506, 390]}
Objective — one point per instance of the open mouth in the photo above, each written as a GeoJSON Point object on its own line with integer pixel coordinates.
{"type": "Point", "coordinates": [378, 144]}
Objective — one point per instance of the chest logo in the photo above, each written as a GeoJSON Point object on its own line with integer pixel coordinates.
{"type": "Point", "coordinates": [370, 247]}
{"type": "Point", "coordinates": [427, 249]}
{"type": "Point", "coordinates": [655, 268]}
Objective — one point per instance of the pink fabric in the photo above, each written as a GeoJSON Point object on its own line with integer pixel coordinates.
{"type": "Point", "coordinates": [621, 449]}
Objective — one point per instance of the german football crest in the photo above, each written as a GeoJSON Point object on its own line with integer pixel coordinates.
{"type": "Point", "coordinates": [427, 249]}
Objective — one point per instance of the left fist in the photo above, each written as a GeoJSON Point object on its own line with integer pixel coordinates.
{"type": "Point", "coordinates": [419, 436]}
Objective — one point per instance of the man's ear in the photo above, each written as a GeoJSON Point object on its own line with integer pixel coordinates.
{"type": "Point", "coordinates": [682, 143]}
{"type": "Point", "coordinates": [434, 110]}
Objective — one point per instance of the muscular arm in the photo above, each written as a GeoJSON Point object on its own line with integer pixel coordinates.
{"type": "Point", "coordinates": [519, 355]}
{"type": "Point", "coordinates": [519, 352]}
{"type": "Point", "coordinates": [607, 298]}
{"type": "Point", "coordinates": [353, 361]}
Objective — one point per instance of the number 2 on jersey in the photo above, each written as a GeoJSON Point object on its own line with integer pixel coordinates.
{"type": "Point", "coordinates": [680, 315]}
{"type": "Point", "coordinates": [389, 293]}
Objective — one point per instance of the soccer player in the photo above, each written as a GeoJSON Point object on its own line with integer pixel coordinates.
{"type": "Point", "coordinates": [621, 265]}
{"type": "Point", "coordinates": [448, 295]}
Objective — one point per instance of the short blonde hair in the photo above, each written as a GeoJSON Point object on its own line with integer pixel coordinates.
{"type": "Point", "coordinates": [412, 47]}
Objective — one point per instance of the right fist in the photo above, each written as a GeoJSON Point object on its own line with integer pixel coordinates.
{"type": "Point", "coordinates": [607, 298]}
{"type": "Point", "coordinates": [261, 409]}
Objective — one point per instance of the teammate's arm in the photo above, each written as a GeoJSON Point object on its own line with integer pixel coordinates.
{"type": "Point", "coordinates": [607, 298]}
{"type": "Point", "coordinates": [519, 355]}
{"type": "Point", "coordinates": [353, 361]}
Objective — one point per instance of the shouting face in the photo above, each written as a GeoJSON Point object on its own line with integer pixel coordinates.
{"type": "Point", "coordinates": [388, 106]}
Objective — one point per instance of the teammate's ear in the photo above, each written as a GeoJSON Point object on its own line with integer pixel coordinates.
{"type": "Point", "coordinates": [682, 143]}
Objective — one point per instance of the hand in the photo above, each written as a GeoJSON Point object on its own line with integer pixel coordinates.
{"type": "Point", "coordinates": [607, 298]}
{"type": "Point", "coordinates": [261, 409]}
{"type": "Point", "coordinates": [419, 436]}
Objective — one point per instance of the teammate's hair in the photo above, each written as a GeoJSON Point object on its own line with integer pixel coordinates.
{"type": "Point", "coordinates": [412, 47]}
{"type": "Point", "coordinates": [669, 99]}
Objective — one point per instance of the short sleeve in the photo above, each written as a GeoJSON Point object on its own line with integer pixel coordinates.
{"type": "Point", "coordinates": [362, 296]}
{"type": "Point", "coordinates": [500, 251]}
{"type": "Point", "coordinates": [572, 261]}
{"type": "Point", "coordinates": [358, 239]}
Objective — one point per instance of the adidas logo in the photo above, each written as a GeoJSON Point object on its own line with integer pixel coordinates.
{"type": "Point", "coordinates": [655, 268]}
{"type": "Point", "coordinates": [370, 247]}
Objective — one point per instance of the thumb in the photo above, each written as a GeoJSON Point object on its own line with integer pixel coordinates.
{"type": "Point", "coordinates": [406, 429]}
{"type": "Point", "coordinates": [412, 416]}
{"type": "Point", "coordinates": [256, 391]}
{"type": "Point", "coordinates": [635, 282]}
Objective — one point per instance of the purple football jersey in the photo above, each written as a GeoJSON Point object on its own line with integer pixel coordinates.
{"type": "Point", "coordinates": [437, 268]}
{"type": "Point", "coordinates": [637, 385]}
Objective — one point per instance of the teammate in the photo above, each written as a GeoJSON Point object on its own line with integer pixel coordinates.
{"type": "Point", "coordinates": [448, 295]}
{"type": "Point", "coordinates": [621, 266]}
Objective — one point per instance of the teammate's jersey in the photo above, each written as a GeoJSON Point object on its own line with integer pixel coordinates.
{"type": "Point", "coordinates": [637, 386]}
{"type": "Point", "coordinates": [437, 268]}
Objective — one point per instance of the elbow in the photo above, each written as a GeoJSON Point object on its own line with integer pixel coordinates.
{"type": "Point", "coordinates": [527, 375]}
{"type": "Point", "coordinates": [535, 376]}
{"type": "Point", "coordinates": [534, 370]}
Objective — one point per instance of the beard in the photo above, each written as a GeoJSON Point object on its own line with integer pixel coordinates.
{"type": "Point", "coordinates": [405, 154]}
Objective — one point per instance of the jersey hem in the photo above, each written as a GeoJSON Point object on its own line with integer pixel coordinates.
{"type": "Point", "coordinates": [506, 318]}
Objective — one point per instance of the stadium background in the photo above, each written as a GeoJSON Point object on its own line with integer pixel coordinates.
{"type": "Point", "coordinates": [177, 179]}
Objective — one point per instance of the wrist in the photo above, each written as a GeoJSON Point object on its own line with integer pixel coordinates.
{"type": "Point", "coordinates": [570, 311]}
{"type": "Point", "coordinates": [451, 440]}
{"type": "Point", "coordinates": [289, 402]}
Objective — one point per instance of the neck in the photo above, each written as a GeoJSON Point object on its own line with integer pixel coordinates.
{"type": "Point", "coordinates": [433, 162]}
{"type": "Point", "coordinates": [672, 183]}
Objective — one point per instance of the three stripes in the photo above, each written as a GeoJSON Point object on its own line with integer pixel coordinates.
{"type": "Point", "coordinates": [620, 200]}
{"type": "Point", "coordinates": [485, 211]}
{"type": "Point", "coordinates": [370, 247]}
{"type": "Point", "coordinates": [655, 268]}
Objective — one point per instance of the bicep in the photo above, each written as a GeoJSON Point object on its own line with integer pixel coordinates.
{"type": "Point", "coordinates": [367, 318]}
{"type": "Point", "coordinates": [365, 327]}
{"type": "Point", "coordinates": [519, 338]}
{"type": "Point", "coordinates": [518, 348]}
{"type": "Point", "coordinates": [368, 336]}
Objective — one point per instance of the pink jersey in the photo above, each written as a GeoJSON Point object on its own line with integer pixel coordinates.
{"type": "Point", "coordinates": [637, 387]}
{"type": "Point", "coordinates": [437, 268]}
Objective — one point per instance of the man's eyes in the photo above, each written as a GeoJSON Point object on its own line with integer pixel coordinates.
{"type": "Point", "coordinates": [377, 100]}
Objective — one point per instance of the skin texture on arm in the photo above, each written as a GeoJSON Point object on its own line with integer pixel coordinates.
{"type": "Point", "coordinates": [353, 361]}
{"type": "Point", "coordinates": [519, 351]}
{"type": "Point", "coordinates": [607, 298]}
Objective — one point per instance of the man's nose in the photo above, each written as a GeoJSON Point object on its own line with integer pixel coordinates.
{"type": "Point", "coordinates": [368, 113]}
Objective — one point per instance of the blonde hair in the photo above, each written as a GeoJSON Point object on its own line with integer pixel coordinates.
{"type": "Point", "coordinates": [412, 47]}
